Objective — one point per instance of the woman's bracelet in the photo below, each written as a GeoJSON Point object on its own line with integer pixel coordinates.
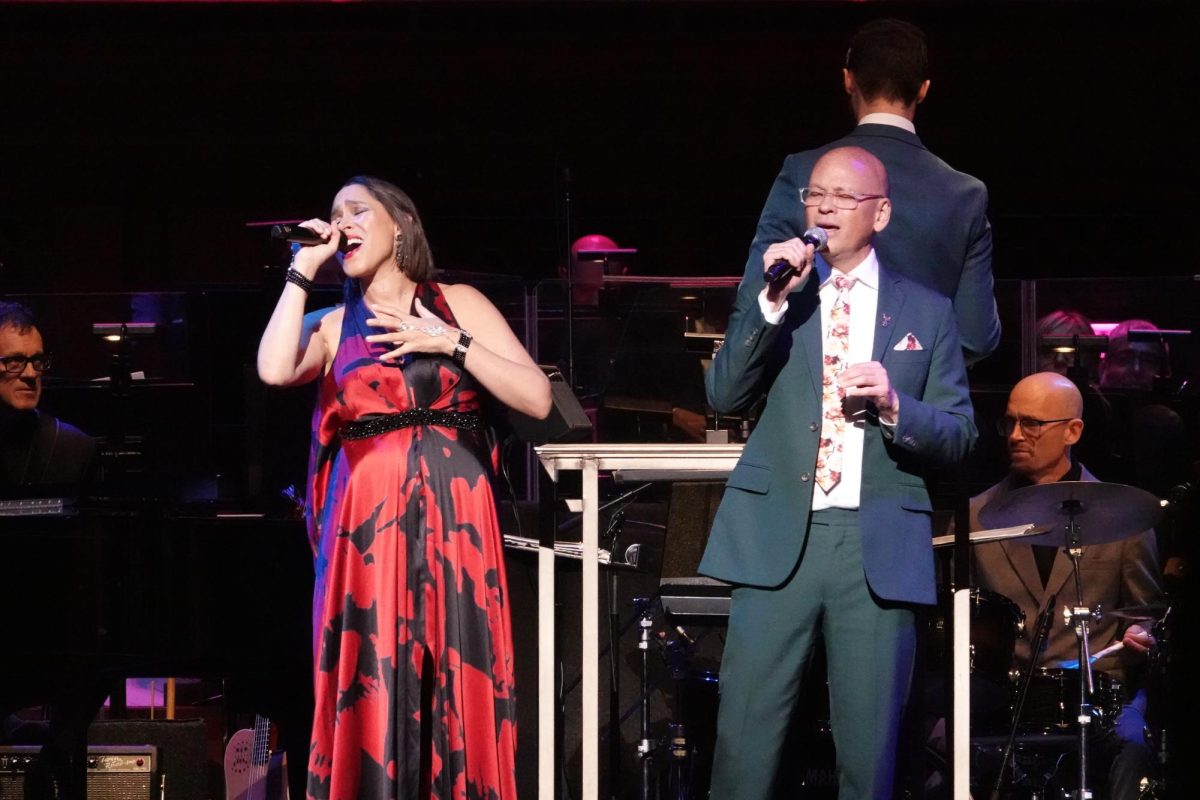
{"type": "Point", "coordinates": [460, 349]}
{"type": "Point", "coordinates": [295, 276]}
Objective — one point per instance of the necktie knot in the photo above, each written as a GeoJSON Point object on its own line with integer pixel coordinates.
{"type": "Point", "coordinates": [842, 283]}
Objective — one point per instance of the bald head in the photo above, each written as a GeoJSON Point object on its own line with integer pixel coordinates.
{"type": "Point", "coordinates": [870, 170]}
{"type": "Point", "coordinates": [1054, 395]}
{"type": "Point", "coordinates": [1045, 410]}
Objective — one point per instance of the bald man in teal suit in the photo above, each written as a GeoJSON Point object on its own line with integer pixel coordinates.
{"type": "Point", "coordinates": [825, 522]}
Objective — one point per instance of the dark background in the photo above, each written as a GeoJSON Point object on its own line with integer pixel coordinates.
{"type": "Point", "coordinates": [139, 139]}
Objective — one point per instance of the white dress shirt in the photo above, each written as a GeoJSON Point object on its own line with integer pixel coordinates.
{"type": "Point", "coordinates": [884, 118]}
{"type": "Point", "coordinates": [863, 298]}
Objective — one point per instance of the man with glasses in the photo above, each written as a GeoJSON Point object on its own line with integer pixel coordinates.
{"type": "Point", "coordinates": [824, 527]}
{"type": "Point", "coordinates": [939, 235]}
{"type": "Point", "coordinates": [35, 447]}
{"type": "Point", "coordinates": [1041, 424]}
{"type": "Point", "coordinates": [38, 450]}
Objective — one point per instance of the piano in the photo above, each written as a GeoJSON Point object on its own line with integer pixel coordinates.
{"type": "Point", "coordinates": [104, 590]}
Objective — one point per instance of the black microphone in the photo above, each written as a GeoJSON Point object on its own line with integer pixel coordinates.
{"type": "Point", "coordinates": [781, 270]}
{"type": "Point", "coordinates": [295, 234]}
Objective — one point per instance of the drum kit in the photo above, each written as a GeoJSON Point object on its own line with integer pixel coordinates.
{"type": "Point", "coordinates": [1051, 715]}
{"type": "Point", "coordinates": [1061, 704]}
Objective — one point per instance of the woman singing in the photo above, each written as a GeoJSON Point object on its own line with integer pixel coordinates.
{"type": "Point", "coordinates": [412, 641]}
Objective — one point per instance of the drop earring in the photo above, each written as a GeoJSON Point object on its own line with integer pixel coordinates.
{"type": "Point", "coordinates": [400, 262]}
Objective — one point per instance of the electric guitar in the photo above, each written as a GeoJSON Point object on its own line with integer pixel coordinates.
{"type": "Point", "coordinates": [252, 771]}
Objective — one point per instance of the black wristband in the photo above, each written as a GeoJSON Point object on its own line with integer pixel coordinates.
{"type": "Point", "coordinates": [294, 276]}
{"type": "Point", "coordinates": [460, 350]}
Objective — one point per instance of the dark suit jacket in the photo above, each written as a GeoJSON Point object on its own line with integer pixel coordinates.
{"type": "Point", "coordinates": [40, 449]}
{"type": "Point", "coordinates": [1116, 574]}
{"type": "Point", "coordinates": [761, 524]}
{"type": "Point", "coordinates": [939, 235]}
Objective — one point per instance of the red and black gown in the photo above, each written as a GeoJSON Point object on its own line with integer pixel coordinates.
{"type": "Point", "coordinates": [410, 584]}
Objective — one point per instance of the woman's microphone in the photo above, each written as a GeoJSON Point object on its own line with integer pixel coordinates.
{"type": "Point", "coordinates": [781, 270]}
{"type": "Point", "coordinates": [298, 235]}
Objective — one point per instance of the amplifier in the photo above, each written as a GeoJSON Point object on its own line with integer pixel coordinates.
{"type": "Point", "coordinates": [696, 601]}
{"type": "Point", "coordinates": [127, 772]}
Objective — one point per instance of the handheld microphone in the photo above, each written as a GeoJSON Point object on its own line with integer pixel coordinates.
{"type": "Point", "coordinates": [781, 270]}
{"type": "Point", "coordinates": [295, 234]}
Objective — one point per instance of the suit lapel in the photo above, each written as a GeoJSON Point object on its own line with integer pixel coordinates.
{"type": "Point", "coordinates": [1018, 553]}
{"type": "Point", "coordinates": [1059, 574]}
{"type": "Point", "coordinates": [809, 308]}
{"type": "Point", "coordinates": [1061, 571]}
{"type": "Point", "coordinates": [891, 302]}
{"type": "Point", "coordinates": [1020, 556]}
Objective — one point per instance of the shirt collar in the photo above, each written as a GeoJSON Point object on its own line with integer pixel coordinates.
{"type": "Point", "coordinates": [866, 273]}
{"type": "Point", "coordinates": [895, 120]}
{"type": "Point", "coordinates": [1075, 473]}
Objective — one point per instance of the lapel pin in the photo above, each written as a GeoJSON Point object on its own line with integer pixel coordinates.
{"type": "Point", "coordinates": [886, 320]}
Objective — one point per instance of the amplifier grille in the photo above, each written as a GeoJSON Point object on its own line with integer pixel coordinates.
{"type": "Point", "coordinates": [125, 772]}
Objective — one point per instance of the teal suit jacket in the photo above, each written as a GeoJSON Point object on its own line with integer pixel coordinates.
{"type": "Point", "coordinates": [761, 524]}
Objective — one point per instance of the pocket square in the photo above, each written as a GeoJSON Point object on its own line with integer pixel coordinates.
{"type": "Point", "coordinates": [909, 342]}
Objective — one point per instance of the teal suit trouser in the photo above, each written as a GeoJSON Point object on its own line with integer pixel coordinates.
{"type": "Point", "coordinates": [870, 648]}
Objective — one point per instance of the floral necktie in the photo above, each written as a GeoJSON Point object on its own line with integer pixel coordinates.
{"type": "Point", "coordinates": [836, 359]}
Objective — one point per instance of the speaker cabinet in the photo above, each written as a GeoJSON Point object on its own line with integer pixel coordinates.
{"type": "Point", "coordinates": [180, 746]}
{"type": "Point", "coordinates": [127, 772]}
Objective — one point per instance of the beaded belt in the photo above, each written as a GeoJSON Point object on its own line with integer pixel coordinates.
{"type": "Point", "coordinates": [386, 423]}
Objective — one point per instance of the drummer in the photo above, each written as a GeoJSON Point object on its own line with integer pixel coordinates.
{"type": "Point", "coordinates": [1041, 423]}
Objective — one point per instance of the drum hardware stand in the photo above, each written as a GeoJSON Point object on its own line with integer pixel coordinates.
{"type": "Point", "coordinates": [615, 527]}
{"type": "Point", "coordinates": [1041, 634]}
{"type": "Point", "coordinates": [678, 743]}
{"type": "Point", "coordinates": [646, 746]}
{"type": "Point", "coordinates": [1155, 788]}
{"type": "Point", "coordinates": [1078, 617]}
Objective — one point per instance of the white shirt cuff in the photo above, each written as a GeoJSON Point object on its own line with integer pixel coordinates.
{"type": "Point", "coordinates": [772, 317]}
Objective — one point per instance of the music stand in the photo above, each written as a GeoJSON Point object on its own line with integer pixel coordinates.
{"type": "Point", "coordinates": [1079, 346]}
{"type": "Point", "coordinates": [120, 380]}
{"type": "Point", "coordinates": [610, 258]}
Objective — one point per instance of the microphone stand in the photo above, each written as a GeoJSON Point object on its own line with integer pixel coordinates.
{"type": "Point", "coordinates": [569, 306]}
{"type": "Point", "coordinates": [1035, 649]}
{"type": "Point", "coordinates": [646, 745]}
{"type": "Point", "coordinates": [615, 526]}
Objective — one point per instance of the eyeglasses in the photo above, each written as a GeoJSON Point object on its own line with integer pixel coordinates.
{"type": "Point", "coordinates": [847, 201]}
{"type": "Point", "coordinates": [15, 365]}
{"type": "Point", "coordinates": [1030, 428]}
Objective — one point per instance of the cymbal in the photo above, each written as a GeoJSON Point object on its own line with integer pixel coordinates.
{"type": "Point", "coordinates": [1140, 613]}
{"type": "Point", "coordinates": [1104, 512]}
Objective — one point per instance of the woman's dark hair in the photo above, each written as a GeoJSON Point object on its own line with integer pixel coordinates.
{"type": "Point", "coordinates": [1064, 322]}
{"type": "Point", "coordinates": [415, 257]}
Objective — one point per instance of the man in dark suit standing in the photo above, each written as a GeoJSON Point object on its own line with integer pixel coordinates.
{"type": "Point", "coordinates": [939, 234]}
{"type": "Point", "coordinates": [825, 522]}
